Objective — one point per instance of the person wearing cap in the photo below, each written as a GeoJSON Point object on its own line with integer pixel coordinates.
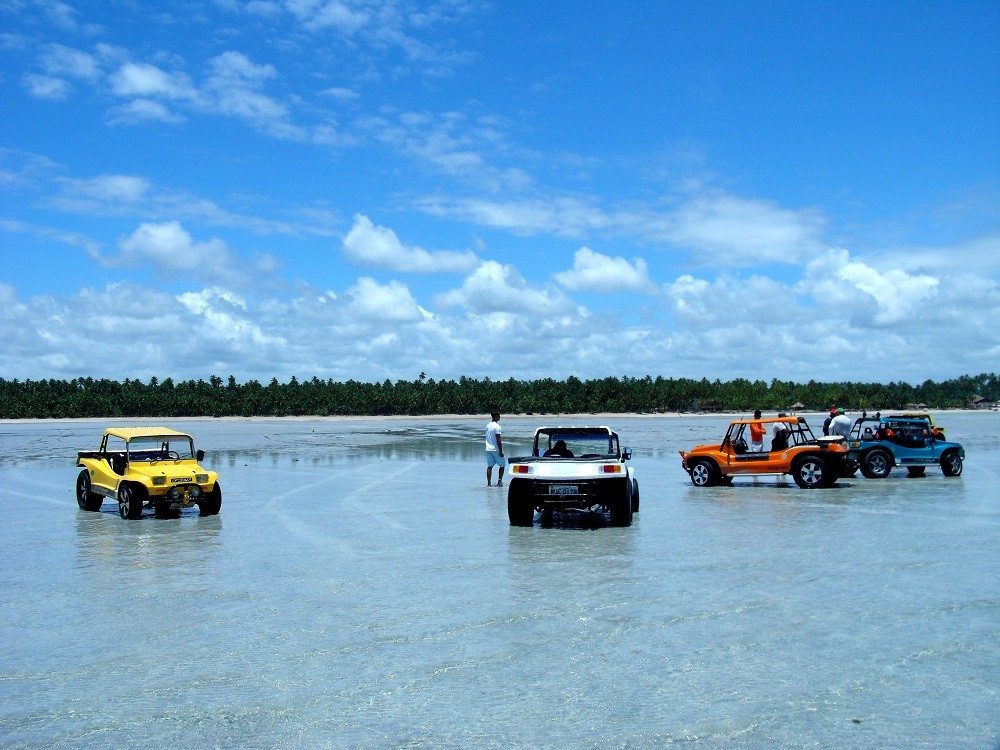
{"type": "Point", "coordinates": [781, 432]}
{"type": "Point", "coordinates": [829, 418]}
{"type": "Point", "coordinates": [841, 424]}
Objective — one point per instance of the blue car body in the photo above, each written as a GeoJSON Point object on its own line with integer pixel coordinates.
{"type": "Point", "coordinates": [880, 443]}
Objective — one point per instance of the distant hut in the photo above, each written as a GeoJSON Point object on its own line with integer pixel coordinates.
{"type": "Point", "coordinates": [797, 406]}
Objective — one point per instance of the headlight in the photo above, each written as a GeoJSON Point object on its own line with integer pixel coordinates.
{"type": "Point", "coordinates": [159, 481]}
{"type": "Point", "coordinates": [201, 478]}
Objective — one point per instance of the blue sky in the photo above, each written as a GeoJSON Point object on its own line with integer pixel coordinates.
{"type": "Point", "coordinates": [373, 189]}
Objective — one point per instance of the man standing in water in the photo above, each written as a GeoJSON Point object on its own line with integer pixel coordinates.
{"type": "Point", "coordinates": [494, 450]}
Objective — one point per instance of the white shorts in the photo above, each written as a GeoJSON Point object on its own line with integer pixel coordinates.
{"type": "Point", "coordinates": [493, 458]}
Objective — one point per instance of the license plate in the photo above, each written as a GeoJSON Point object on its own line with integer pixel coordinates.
{"type": "Point", "coordinates": [563, 489]}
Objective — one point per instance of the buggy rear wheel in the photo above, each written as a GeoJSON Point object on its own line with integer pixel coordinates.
{"type": "Point", "coordinates": [86, 498]}
{"type": "Point", "coordinates": [520, 510]}
{"type": "Point", "coordinates": [620, 506]}
{"type": "Point", "coordinates": [812, 472]}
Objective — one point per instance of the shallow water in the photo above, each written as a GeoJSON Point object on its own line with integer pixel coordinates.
{"type": "Point", "coordinates": [363, 588]}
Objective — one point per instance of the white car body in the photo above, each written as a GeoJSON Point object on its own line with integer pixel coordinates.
{"type": "Point", "coordinates": [591, 474]}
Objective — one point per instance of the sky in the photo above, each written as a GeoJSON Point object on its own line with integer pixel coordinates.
{"type": "Point", "coordinates": [373, 189]}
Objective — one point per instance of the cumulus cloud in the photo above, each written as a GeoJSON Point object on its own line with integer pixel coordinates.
{"type": "Point", "coordinates": [493, 287]}
{"type": "Point", "coordinates": [224, 316]}
{"type": "Point", "coordinates": [728, 301]}
{"type": "Point", "coordinates": [390, 302]}
{"type": "Point", "coordinates": [880, 298]}
{"type": "Point", "coordinates": [168, 249]}
{"type": "Point", "coordinates": [594, 272]}
{"type": "Point", "coordinates": [379, 246]}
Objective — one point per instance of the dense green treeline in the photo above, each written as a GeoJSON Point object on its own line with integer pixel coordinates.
{"type": "Point", "coordinates": [87, 397]}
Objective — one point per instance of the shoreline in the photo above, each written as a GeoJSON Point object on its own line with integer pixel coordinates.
{"type": "Point", "coordinates": [545, 417]}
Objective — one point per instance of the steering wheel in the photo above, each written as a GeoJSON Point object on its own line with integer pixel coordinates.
{"type": "Point", "coordinates": [174, 455]}
{"type": "Point", "coordinates": [741, 446]}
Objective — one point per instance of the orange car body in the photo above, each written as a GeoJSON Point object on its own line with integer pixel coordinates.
{"type": "Point", "coordinates": [811, 461]}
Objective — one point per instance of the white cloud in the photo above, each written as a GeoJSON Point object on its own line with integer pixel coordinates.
{"type": "Point", "coordinates": [139, 111]}
{"type": "Point", "coordinates": [144, 81]}
{"type": "Point", "coordinates": [224, 316]}
{"type": "Point", "coordinates": [47, 87]}
{"type": "Point", "coordinates": [58, 60]}
{"type": "Point", "coordinates": [595, 272]}
{"type": "Point", "coordinates": [565, 217]}
{"type": "Point", "coordinates": [170, 250]}
{"type": "Point", "coordinates": [321, 14]}
{"type": "Point", "coordinates": [493, 287]}
{"type": "Point", "coordinates": [879, 298]}
{"type": "Point", "coordinates": [717, 230]}
{"type": "Point", "coordinates": [234, 83]}
{"type": "Point", "coordinates": [170, 247]}
{"type": "Point", "coordinates": [110, 188]}
{"type": "Point", "coordinates": [379, 246]}
{"type": "Point", "coordinates": [340, 93]}
{"type": "Point", "coordinates": [390, 302]}
{"type": "Point", "coordinates": [729, 301]}
{"type": "Point", "coordinates": [739, 232]}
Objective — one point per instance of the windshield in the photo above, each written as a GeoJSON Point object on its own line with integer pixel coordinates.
{"type": "Point", "coordinates": [162, 448]}
{"type": "Point", "coordinates": [576, 444]}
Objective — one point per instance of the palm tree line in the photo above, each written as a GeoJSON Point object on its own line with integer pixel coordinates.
{"type": "Point", "coordinates": [99, 398]}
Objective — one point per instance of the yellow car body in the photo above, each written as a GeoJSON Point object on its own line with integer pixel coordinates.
{"type": "Point", "coordinates": [146, 466]}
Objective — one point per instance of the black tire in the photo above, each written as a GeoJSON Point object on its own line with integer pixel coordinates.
{"type": "Point", "coordinates": [635, 496]}
{"type": "Point", "coordinates": [876, 464]}
{"type": "Point", "coordinates": [86, 498]}
{"type": "Point", "coordinates": [951, 464]}
{"type": "Point", "coordinates": [520, 511]}
{"type": "Point", "coordinates": [211, 502]}
{"type": "Point", "coordinates": [620, 505]}
{"type": "Point", "coordinates": [131, 498]}
{"type": "Point", "coordinates": [812, 472]}
{"type": "Point", "coordinates": [704, 473]}
{"type": "Point", "coordinates": [916, 471]}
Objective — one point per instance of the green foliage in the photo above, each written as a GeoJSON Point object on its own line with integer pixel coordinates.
{"type": "Point", "coordinates": [86, 397]}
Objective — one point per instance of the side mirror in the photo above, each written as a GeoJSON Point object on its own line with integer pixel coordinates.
{"type": "Point", "coordinates": [200, 456]}
{"type": "Point", "coordinates": [626, 454]}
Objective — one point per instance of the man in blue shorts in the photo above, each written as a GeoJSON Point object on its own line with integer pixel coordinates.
{"type": "Point", "coordinates": [494, 450]}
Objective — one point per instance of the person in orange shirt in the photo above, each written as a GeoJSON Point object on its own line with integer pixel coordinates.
{"type": "Point", "coordinates": [757, 431]}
